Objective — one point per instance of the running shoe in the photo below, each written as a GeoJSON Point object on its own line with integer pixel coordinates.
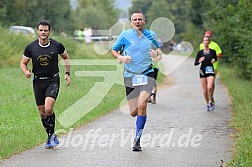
{"type": "Point", "coordinates": [54, 140]}
{"type": "Point", "coordinates": [213, 101]}
{"type": "Point", "coordinates": [153, 99]}
{"type": "Point", "coordinates": [211, 106]}
{"type": "Point", "coordinates": [207, 107]}
{"type": "Point", "coordinates": [48, 144]}
{"type": "Point", "coordinates": [137, 146]}
{"type": "Point", "coordinates": [149, 100]}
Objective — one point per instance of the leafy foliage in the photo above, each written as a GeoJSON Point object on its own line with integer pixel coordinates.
{"type": "Point", "coordinates": [159, 8]}
{"type": "Point", "coordinates": [90, 13]}
{"type": "Point", "coordinates": [99, 15]}
{"type": "Point", "coordinates": [29, 12]}
{"type": "Point", "coordinates": [234, 33]}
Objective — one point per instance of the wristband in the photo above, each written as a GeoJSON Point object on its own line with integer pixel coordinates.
{"type": "Point", "coordinates": [67, 73]}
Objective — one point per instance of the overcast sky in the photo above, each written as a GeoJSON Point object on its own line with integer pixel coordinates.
{"type": "Point", "coordinates": [121, 4]}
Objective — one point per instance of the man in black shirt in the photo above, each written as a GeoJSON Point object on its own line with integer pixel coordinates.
{"type": "Point", "coordinates": [44, 55]}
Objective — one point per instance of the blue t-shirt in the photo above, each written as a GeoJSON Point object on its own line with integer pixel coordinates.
{"type": "Point", "coordinates": [137, 48]}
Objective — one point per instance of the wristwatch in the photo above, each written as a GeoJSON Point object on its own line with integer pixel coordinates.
{"type": "Point", "coordinates": [67, 73]}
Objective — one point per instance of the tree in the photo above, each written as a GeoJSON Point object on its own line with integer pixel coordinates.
{"type": "Point", "coordinates": [158, 8]}
{"type": "Point", "coordinates": [142, 5]}
{"type": "Point", "coordinates": [196, 12]}
{"type": "Point", "coordinates": [96, 14]}
{"type": "Point", "coordinates": [242, 32]}
{"type": "Point", "coordinates": [29, 12]}
{"type": "Point", "coordinates": [56, 11]}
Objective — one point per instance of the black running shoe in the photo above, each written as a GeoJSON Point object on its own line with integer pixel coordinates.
{"type": "Point", "coordinates": [149, 100]}
{"type": "Point", "coordinates": [137, 146]}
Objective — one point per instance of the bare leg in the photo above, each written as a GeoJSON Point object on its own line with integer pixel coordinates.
{"type": "Point", "coordinates": [42, 112]}
{"type": "Point", "coordinates": [204, 87]}
{"type": "Point", "coordinates": [142, 103]}
{"type": "Point", "coordinates": [210, 83]}
{"type": "Point", "coordinates": [133, 106]}
{"type": "Point", "coordinates": [49, 103]}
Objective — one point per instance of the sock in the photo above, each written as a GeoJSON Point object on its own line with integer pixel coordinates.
{"type": "Point", "coordinates": [46, 125]}
{"type": "Point", "coordinates": [140, 122]}
{"type": "Point", "coordinates": [51, 123]}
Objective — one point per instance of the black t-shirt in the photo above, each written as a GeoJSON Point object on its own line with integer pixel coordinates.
{"type": "Point", "coordinates": [208, 57]}
{"type": "Point", "coordinates": [44, 58]}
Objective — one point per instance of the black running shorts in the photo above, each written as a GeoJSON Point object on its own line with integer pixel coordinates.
{"type": "Point", "coordinates": [202, 74]}
{"type": "Point", "coordinates": [45, 88]}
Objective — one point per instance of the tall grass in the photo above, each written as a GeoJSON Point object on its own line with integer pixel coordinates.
{"type": "Point", "coordinates": [241, 93]}
{"type": "Point", "coordinates": [11, 47]}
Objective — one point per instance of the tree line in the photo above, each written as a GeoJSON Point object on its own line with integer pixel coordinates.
{"type": "Point", "coordinates": [95, 14]}
{"type": "Point", "coordinates": [229, 20]}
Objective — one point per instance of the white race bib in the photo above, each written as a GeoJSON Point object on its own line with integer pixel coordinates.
{"type": "Point", "coordinates": [209, 70]}
{"type": "Point", "coordinates": [138, 80]}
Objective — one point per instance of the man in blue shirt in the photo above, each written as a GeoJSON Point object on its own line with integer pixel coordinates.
{"type": "Point", "coordinates": [136, 44]}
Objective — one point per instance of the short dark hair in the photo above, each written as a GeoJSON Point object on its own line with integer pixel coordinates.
{"type": "Point", "coordinates": [44, 23]}
{"type": "Point", "coordinates": [137, 11]}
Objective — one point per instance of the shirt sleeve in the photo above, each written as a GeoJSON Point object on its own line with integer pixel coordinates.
{"type": "Point", "coordinates": [121, 43]}
{"type": "Point", "coordinates": [155, 40]}
{"type": "Point", "coordinates": [196, 62]}
{"type": "Point", "coordinates": [27, 52]}
{"type": "Point", "coordinates": [61, 48]}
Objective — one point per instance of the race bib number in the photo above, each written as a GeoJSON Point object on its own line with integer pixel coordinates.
{"type": "Point", "coordinates": [209, 70]}
{"type": "Point", "coordinates": [138, 80]}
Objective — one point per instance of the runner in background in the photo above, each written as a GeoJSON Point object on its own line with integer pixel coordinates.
{"type": "Point", "coordinates": [206, 57]}
{"type": "Point", "coordinates": [213, 45]}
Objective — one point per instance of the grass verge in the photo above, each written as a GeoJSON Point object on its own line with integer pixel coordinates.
{"type": "Point", "coordinates": [241, 93]}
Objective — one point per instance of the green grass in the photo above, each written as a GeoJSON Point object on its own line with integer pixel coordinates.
{"type": "Point", "coordinates": [20, 125]}
{"type": "Point", "coordinates": [241, 93]}
{"type": "Point", "coordinates": [12, 46]}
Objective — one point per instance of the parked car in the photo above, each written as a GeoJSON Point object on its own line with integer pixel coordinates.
{"type": "Point", "coordinates": [22, 29]}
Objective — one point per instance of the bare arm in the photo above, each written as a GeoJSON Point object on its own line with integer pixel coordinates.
{"type": "Point", "coordinates": [23, 66]}
{"type": "Point", "coordinates": [66, 58]}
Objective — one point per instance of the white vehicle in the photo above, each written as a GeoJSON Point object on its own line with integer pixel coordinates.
{"type": "Point", "coordinates": [22, 29]}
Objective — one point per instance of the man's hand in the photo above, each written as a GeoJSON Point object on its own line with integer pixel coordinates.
{"type": "Point", "coordinates": [67, 78]}
{"type": "Point", "coordinates": [124, 59]}
{"type": "Point", "coordinates": [153, 53]}
{"type": "Point", "coordinates": [28, 74]}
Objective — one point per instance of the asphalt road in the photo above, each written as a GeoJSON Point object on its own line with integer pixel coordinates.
{"type": "Point", "coordinates": [179, 132]}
